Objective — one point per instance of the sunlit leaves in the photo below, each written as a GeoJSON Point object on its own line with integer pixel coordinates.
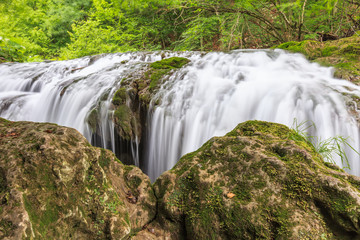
{"type": "Point", "coordinates": [74, 28]}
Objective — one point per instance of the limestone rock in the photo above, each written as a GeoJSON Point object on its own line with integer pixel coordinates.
{"type": "Point", "coordinates": [55, 185]}
{"type": "Point", "coordinates": [256, 183]}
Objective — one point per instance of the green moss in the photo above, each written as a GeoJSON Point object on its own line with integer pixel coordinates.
{"type": "Point", "coordinates": [163, 67]}
{"type": "Point", "coordinates": [270, 170]}
{"type": "Point", "coordinates": [3, 182]}
{"type": "Point", "coordinates": [119, 96]}
{"type": "Point", "coordinates": [242, 192]}
{"type": "Point", "coordinates": [122, 113]}
{"type": "Point", "coordinates": [352, 49]}
{"type": "Point", "coordinates": [288, 45]}
{"type": "Point", "coordinates": [261, 129]}
{"type": "Point", "coordinates": [265, 183]}
{"type": "Point", "coordinates": [46, 177]}
{"type": "Point", "coordinates": [3, 120]}
{"type": "Point", "coordinates": [92, 119]}
{"type": "Point", "coordinates": [163, 185]}
{"type": "Point", "coordinates": [292, 46]}
{"type": "Point", "coordinates": [104, 160]}
{"type": "Point", "coordinates": [135, 181]}
{"type": "Point", "coordinates": [6, 228]}
{"type": "Point", "coordinates": [345, 65]}
{"type": "Point", "coordinates": [155, 77]}
{"type": "Point", "coordinates": [338, 202]}
{"type": "Point", "coordinates": [328, 51]}
{"type": "Point", "coordinates": [280, 218]}
{"type": "Point", "coordinates": [170, 63]}
{"type": "Point", "coordinates": [299, 185]}
{"type": "Point", "coordinates": [41, 219]}
{"type": "Point", "coordinates": [333, 167]}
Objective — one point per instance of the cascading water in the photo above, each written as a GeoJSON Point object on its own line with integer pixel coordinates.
{"type": "Point", "coordinates": [220, 90]}
{"type": "Point", "coordinates": [66, 92]}
{"type": "Point", "coordinates": [208, 97]}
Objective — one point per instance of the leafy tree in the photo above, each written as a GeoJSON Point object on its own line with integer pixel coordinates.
{"type": "Point", "coordinates": [39, 27]}
{"type": "Point", "coordinates": [36, 29]}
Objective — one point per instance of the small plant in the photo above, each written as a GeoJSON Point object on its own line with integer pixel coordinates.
{"type": "Point", "coordinates": [327, 148]}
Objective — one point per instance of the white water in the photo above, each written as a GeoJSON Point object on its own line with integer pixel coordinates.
{"type": "Point", "coordinates": [65, 92]}
{"type": "Point", "coordinates": [221, 90]}
{"type": "Point", "coordinates": [208, 97]}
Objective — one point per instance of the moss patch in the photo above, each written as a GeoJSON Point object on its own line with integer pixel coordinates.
{"type": "Point", "coordinates": [119, 97]}
{"type": "Point", "coordinates": [170, 63]}
{"type": "Point", "coordinates": [92, 119]}
{"type": "Point", "coordinates": [163, 67]}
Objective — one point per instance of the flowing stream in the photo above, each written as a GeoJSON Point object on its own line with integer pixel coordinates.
{"type": "Point", "coordinates": [206, 98]}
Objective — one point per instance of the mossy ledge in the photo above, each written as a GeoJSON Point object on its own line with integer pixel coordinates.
{"type": "Point", "coordinates": [163, 67]}
{"type": "Point", "coordinates": [342, 54]}
{"type": "Point", "coordinates": [253, 183]}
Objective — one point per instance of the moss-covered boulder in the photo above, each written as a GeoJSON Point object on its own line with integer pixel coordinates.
{"type": "Point", "coordinates": [127, 113]}
{"type": "Point", "coordinates": [256, 183]}
{"type": "Point", "coordinates": [343, 54]}
{"type": "Point", "coordinates": [54, 185]}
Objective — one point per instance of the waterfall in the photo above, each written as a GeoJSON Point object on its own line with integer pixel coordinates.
{"type": "Point", "coordinates": [206, 98]}
{"type": "Point", "coordinates": [213, 94]}
{"type": "Point", "coordinates": [65, 92]}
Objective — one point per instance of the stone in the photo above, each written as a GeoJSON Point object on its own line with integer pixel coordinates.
{"type": "Point", "coordinates": [257, 183]}
{"type": "Point", "coordinates": [55, 185]}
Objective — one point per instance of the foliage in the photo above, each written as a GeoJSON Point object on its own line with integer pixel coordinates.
{"type": "Point", "coordinates": [68, 29]}
{"type": "Point", "coordinates": [327, 148]}
{"type": "Point", "coordinates": [35, 30]}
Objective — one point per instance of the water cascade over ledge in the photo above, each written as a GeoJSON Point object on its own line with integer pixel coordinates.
{"type": "Point", "coordinates": [206, 98]}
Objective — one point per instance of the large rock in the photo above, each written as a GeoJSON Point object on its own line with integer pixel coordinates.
{"type": "Point", "coordinates": [54, 185]}
{"type": "Point", "coordinates": [256, 183]}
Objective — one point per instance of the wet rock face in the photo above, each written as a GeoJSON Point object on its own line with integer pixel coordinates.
{"type": "Point", "coordinates": [54, 185]}
{"type": "Point", "coordinates": [131, 105]}
{"type": "Point", "coordinates": [256, 183]}
{"type": "Point", "coordinates": [132, 99]}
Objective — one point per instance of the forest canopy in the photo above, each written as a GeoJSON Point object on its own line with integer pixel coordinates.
{"type": "Point", "coordinates": [34, 30]}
